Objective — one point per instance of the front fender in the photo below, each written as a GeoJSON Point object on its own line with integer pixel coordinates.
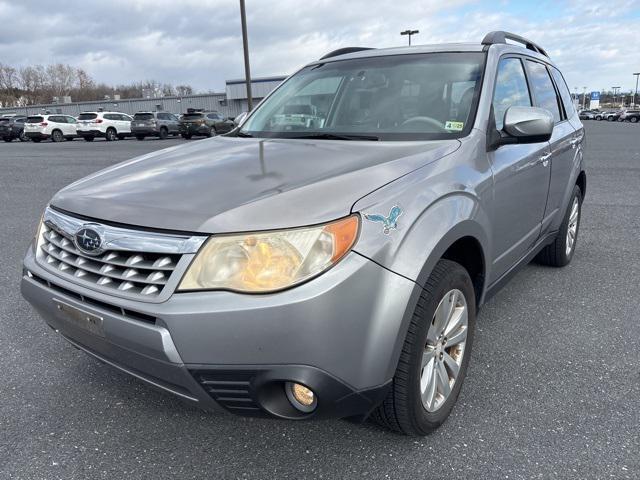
{"type": "Point", "coordinates": [424, 235]}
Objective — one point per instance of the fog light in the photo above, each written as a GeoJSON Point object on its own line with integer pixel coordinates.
{"type": "Point", "coordinates": [301, 397]}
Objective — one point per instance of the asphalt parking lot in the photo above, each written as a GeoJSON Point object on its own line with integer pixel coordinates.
{"type": "Point", "coordinates": [553, 389]}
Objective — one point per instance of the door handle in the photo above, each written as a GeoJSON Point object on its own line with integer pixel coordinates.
{"type": "Point", "coordinates": [575, 142]}
{"type": "Point", "coordinates": [544, 159]}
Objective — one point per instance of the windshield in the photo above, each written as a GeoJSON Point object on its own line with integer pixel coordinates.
{"type": "Point", "coordinates": [399, 97]}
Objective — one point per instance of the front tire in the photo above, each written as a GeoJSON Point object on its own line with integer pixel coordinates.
{"type": "Point", "coordinates": [560, 252]}
{"type": "Point", "coordinates": [8, 139]}
{"type": "Point", "coordinates": [164, 133]}
{"type": "Point", "coordinates": [186, 136]}
{"type": "Point", "coordinates": [111, 135]}
{"type": "Point", "coordinates": [56, 136]}
{"type": "Point", "coordinates": [435, 354]}
{"type": "Point", "coordinates": [633, 119]}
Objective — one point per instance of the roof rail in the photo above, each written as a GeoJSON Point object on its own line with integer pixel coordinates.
{"type": "Point", "coordinates": [499, 36]}
{"type": "Point", "coordinates": [344, 51]}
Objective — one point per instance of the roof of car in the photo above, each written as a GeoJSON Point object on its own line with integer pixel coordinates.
{"type": "Point", "coordinates": [433, 48]}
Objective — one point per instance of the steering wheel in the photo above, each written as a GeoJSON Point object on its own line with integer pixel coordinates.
{"type": "Point", "coordinates": [432, 122]}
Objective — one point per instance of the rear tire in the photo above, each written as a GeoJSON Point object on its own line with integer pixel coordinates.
{"type": "Point", "coordinates": [560, 252]}
{"type": "Point", "coordinates": [111, 135]}
{"type": "Point", "coordinates": [425, 355]}
{"type": "Point", "coordinates": [8, 139]}
{"type": "Point", "coordinates": [209, 133]}
{"type": "Point", "coordinates": [633, 119]}
{"type": "Point", "coordinates": [23, 137]}
{"type": "Point", "coordinates": [56, 136]}
{"type": "Point", "coordinates": [164, 133]}
{"type": "Point", "coordinates": [140, 137]}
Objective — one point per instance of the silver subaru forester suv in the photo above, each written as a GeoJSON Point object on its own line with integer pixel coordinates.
{"type": "Point", "coordinates": [328, 257]}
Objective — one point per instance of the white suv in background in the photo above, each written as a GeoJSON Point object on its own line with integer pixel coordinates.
{"type": "Point", "coordinates": [57, 127]}
{"type": "Point", "coordinates": [110, 125]}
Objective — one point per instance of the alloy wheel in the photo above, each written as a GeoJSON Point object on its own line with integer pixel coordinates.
{"type": "Point", "coordinates": [444, 351]}
{"type": "Point", "coordinates": [572, 228]}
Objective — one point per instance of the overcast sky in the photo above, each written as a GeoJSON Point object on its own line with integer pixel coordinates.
{"type": "Point", "coordinates": [198, 42]}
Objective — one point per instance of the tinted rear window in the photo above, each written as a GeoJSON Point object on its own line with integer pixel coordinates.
{"type": "Point", "coordinates": [5, 119]}
{"type": "Point", "coordinates": [192, 116]}
{"type": "Point", "coordinates": [143, 116]}
{"type": "Point", "coordinates": [34, 119]}
{"type": "Point", "coordinates": [87, 116]}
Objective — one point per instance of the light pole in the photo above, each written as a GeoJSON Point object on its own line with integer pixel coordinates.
{"type": "Point", "coordinates": [245, 46]}
{"type": "Point", "coordinates": [635, 104]}
{"type": "Point", "coordinates": [615, 91]}
{"type": "Point", "coordinates": [409, 33]}
{"type": "Point", "coordinates": [584, 98]}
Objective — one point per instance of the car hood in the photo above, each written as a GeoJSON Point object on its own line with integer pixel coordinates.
{"type": "Point", "coordinates": [230, 184]}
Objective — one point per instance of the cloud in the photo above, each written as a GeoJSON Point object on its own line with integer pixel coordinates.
{"type": "Point", "coordinates": [198, 41]}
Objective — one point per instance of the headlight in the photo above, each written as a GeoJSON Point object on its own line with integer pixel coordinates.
{"type": "Point", "coordinates": [269, 261]}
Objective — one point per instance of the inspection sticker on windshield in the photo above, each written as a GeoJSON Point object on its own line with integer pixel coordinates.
{"type": "Point", "coordinates": [455, 126]}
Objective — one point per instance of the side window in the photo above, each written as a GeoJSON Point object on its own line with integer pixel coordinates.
{"type": "Point", "coordinates": [564, 92]}
{"type": "Point", "coordinates": [543, 90]}
{"type": "Point", "coordinates": [163, 116]}
{"type": "Point", "coordinates": [71, 120]}
{"type": "Point", "coordinates": [213, 116]}
{"type": "Point", "coordinates": [511, 89]}
{"type": "Point", "coordinates": [57, 119]}
{"type": "Point", "coordinates": [107, 116]}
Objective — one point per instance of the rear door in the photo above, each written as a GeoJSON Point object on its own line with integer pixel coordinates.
{"type": "Point", "coordinates": [521, 175]}
{"type": "Point", "coordinates": [561, 144]}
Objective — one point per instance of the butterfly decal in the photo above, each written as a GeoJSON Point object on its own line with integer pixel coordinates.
{"type": "Point", "coordinates": [388, 223]}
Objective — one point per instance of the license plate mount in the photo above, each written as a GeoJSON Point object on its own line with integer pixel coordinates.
{"type": "Point", "coordinates": [80, 318]}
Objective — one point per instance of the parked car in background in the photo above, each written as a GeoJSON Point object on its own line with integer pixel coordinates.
{"type": "Point", "coordinates": [108, 125]}
{"type": "Point", "coordinates": [12, 128]}
{"type": "Point", "coordinates": [201, 123]}
{"type": "Point", "coordinates": [57, 127]}
{"type": "Point", "coordinates": [629, 116]}
{"type": "Point", "coordinates": [612, 116]}
{"type": "Point", "coordinates": [587, 115]}
{"type": "Point", "coordinates": [154, 124]}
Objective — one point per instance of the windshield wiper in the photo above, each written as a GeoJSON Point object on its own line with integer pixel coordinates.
{"type": "Point", "coordinates": [240, 133]}
{"type": "Point", "coordinates": [336, 136]}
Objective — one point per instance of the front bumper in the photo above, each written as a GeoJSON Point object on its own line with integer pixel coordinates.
{"type": "Point", "coordinates": [339, 335]}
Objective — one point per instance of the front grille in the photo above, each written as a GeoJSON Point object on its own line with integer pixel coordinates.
{"type": "Point", "coordinates": [231, 389]}
{"type": "Point", "coordinates": [131, 272]}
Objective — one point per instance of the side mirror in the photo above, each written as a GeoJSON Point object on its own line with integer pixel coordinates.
{"type": "Point", "coordinates": [528, 124]}
{"type": "Point", "coordinates": [238, 120]}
